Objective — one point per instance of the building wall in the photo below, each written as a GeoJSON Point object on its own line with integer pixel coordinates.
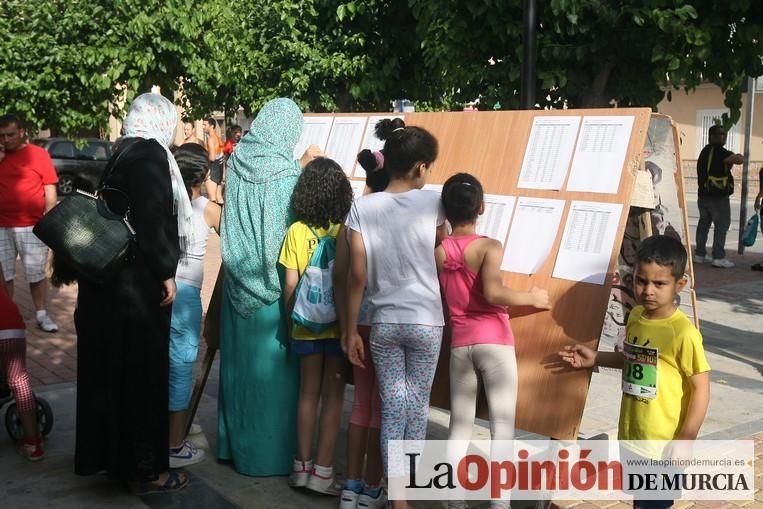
{"type": "Point", "coordinates": [683, 109]}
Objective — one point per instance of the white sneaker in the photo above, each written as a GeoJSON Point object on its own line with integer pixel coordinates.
{"type": "Point", "coordinates": [323, 483]}
{"type": "Point", "coordinates": [300, 472]}
{"type": "Point", "coordinates": [45, 323]}
{"type": "Point", "coordinates": [348, 499]}
{"type": "Point", "coordinates": [723, 263]}
{"type": "Point", "coordinates": [702, 259]}
{"type": "Point", "coordinates": [366, 501]}
{"type": "Point", "coordinates": [186, 455]}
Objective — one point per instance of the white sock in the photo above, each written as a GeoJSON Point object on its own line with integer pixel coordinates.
{"type": "Point", "coordinates": [299, 464]}
{"type": "Point", "coordinates": [41, 313]}
{"type": "Point", "coordinates": [324, 472]}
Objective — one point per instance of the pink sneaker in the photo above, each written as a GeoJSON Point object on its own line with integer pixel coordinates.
{"type": "Point", "coordinates": [31, 448]}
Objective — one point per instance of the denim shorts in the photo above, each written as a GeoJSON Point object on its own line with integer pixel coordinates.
{"type": "Point", "coordinates": [330, 346]}
{"type": "Point", "coordinates": [185, 331]}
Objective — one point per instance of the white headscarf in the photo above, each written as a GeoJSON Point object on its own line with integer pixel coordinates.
{"type": "Point", "coordinates": [153, 116]}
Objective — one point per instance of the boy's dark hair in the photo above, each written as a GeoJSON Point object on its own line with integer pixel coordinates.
{"type": "Point", "coordinates": [323, 195]}
{"type": "Point", "coordinates": [211, 121]}
{"type": "Point", "coordinates": [665, 251]}
{"type": "Point", "coordinates": [462, 198]}
{"type": "Point", "coordinates": [376, 178]}
{"type": "Point", "coordinates": [405, 147]}
{"type": "Point", "coordinates": [193, 162]}
{"type": "Point", "coordinates": [6, 120]}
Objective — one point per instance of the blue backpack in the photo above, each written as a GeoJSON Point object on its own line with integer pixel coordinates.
{"type": "Point", "coordinates": [314, 297]}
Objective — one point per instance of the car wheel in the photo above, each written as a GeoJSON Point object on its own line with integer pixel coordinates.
{"type": "Point", "coordinates": [66, 185]}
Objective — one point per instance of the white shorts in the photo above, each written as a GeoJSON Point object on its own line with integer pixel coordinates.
{"type": "Point", "coordinates": [21, 242]}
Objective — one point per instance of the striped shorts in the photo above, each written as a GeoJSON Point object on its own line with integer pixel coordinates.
{"type": "Point", "coordinates": [21, 242]}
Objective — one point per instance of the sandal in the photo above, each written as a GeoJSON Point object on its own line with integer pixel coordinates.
{"type": "Point", "coordinates": [175, 481]}
{"type": "Point", "coordinates": [758, 267]}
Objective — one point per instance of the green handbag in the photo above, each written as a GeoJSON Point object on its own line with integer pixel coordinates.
{"type": "Point", "coordinates": [84, 233]}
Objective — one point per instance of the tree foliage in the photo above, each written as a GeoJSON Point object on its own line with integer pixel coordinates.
{"type": "Point", "coordinates": [594, 53]}
{"type": "Point", "coordinates": [67, 64]}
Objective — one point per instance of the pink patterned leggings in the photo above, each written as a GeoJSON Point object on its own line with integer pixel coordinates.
{"type": "Point", "coordinates": [13, 364]}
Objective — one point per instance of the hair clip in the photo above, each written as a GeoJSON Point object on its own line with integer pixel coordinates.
{"type": "Point", "coordinates": [398, 129]}
{"type": "Point", "coordinates": [379, 160]}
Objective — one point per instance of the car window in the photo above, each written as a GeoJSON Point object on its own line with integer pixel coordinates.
{"type": "Point", "coordinates": [95, 151]}
{"type": "Point", "coordinates": [63, 150]}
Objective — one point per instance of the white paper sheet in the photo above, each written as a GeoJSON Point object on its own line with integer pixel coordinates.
{"type": "Point", "coordinates": [600, 153]}
{"type": "Point", "coordinates": [358, 186]}
{"type": "Point", "coordinates": [344, 141]}
{"type": "Point", "coordinates": [315, 131]}
{"type": "Point", "coordinates": [370, 141]}
{"type": "Point", "coordinates": [589, 236]}
{"type": "Point", "coordinates": [494, 223]}
{"type": "Point", "coordinates": [548, 153]}
{"type": "Point", "coordinates": [532, 234]}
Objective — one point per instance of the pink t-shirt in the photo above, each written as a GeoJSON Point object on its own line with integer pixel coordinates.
{"type": "Point", "coordinates": [474, 321]}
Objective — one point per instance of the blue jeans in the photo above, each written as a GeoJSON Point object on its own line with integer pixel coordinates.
{"type": "Point", "coordinates": [713, 210]}
{"type": "Point", "coordinates": [185, 331]}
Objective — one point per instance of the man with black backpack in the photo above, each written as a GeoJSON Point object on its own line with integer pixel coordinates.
{"type": "Point", "coordinates": [715, 186]}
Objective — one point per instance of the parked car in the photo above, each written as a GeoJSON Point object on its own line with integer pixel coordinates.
{"type": "Point", "coordinates": [78, 166]}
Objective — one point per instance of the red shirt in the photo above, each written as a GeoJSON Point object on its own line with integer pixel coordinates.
{"type": "Point", "coordinates": [229, 146]}
{"type": "Point", "coordinates": [23, 173]}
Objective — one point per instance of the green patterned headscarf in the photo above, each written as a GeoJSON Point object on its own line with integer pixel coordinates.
{"type": "Point", "coordinates": [261, 176]}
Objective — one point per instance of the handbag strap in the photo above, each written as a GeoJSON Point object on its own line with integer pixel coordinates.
{"type": "Point", "coordinates": [102, 187]}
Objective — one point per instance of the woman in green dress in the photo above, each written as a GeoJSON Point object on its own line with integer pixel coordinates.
{"type": "Point", "coordinates": [259, 376]}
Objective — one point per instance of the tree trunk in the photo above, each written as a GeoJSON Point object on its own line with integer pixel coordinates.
{"type": "Point", "coordinates": [344, 102]}
{"type": "Point", "coordinates": [596, 95]}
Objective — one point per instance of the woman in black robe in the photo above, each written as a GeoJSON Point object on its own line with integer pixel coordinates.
{"type": "Point", "coordinates": [123, 325]}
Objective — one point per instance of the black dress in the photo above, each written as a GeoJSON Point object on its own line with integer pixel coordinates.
{"type": "Point", "coordinates": [123, 333]}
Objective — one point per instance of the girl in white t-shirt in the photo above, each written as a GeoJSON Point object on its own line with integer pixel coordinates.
{"type": "Point", "coordinates": [392, 242]}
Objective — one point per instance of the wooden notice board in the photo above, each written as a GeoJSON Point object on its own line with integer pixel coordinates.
{"type": "Point", "coordinates": [491, 146]}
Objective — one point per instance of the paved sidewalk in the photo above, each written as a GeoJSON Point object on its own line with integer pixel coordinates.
{"type": "Point", "coordinates": [730, 307]}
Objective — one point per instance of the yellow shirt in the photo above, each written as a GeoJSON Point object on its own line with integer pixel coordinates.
{"type": "Point", "coordinates": [296, 251]}
{"type": "Point", "coordinates": [664, 355]}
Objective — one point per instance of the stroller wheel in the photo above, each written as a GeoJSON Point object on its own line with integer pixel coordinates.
{"type": "Point", "coordinates": [44, 419]}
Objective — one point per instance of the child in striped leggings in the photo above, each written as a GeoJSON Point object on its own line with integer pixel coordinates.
{"type": "Point", "coordinates": [392, 239]}
{"type": "Point", "coordinates": [13, 364]}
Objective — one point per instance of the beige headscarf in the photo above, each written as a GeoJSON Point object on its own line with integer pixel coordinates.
{"type": "Point", "coordinates": [153, 116]}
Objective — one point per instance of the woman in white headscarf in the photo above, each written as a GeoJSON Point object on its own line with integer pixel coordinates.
{"type": "Point", "coordinates": [123, 325]}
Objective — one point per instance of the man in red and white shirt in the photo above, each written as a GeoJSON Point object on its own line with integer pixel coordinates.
{"type": "Point", "coordinates": [27, 191]}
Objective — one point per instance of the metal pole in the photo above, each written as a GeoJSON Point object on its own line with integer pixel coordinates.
{"type": "Point", "coordinates": [529, 56]}
{"type": "Point", "coordinates": [746, 164]}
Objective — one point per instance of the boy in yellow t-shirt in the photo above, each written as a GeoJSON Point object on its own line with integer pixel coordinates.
{"type": "Point", "coordinates": [665, 381]}
{"type": "Point", "coordinates": [321, 200]}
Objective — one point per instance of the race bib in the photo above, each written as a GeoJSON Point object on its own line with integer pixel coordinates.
{"type": "Point", "coordinates": [640, 371]}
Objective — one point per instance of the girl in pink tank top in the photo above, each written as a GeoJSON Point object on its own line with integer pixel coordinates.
{"type": "Point", "coordinates": [482, 343]}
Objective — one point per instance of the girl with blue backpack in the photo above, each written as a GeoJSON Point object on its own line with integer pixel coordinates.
{"type": "Point", "coordinates": [321, 200]}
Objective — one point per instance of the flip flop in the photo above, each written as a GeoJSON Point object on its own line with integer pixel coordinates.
{"type": "Point", "coordinates": [758, 267]}
{"type": "Point", "coordinates": [175, 481]}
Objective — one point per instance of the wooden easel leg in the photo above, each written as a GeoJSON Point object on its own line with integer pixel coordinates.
{"type": "Point", "coordinates": [198, 388]}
